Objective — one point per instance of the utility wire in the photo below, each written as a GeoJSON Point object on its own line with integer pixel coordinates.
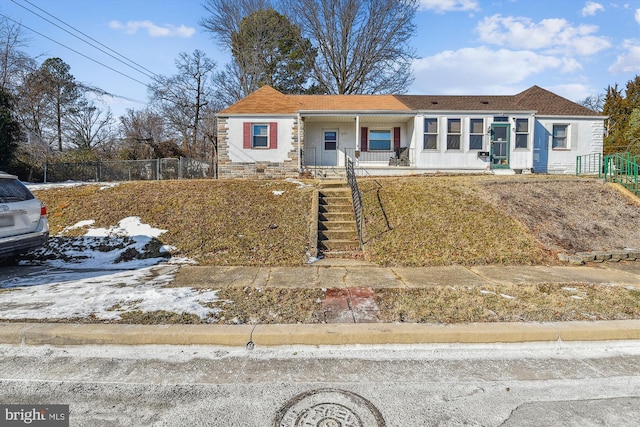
{"type": "Point", "coordinates": [75, 51]}
{"type": "Point", "coordinates": [137, 67]}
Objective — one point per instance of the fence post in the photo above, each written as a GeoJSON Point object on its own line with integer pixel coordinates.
{"type": "Point", "coordinates": [45, 172]}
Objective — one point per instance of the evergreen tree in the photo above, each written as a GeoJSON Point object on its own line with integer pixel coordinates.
{"type": "Point", "coordinates": [269, 50]}
{"type": "Point", "coordinates": [9, 131]}
{"type": "Point", "coordinates": [620, 108]}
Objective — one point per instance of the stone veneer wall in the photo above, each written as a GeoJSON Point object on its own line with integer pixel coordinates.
{"type": "Point", "coordinates": [255, 170]}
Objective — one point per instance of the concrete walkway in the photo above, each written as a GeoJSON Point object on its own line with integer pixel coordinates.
{"type": "Point", "coordinates": [351, 277]}
{"type": "Point", "coordinates": [348, 274]}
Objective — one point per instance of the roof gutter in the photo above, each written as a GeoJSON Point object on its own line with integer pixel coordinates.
{"type": "Point", "coordinates": [356, 112]}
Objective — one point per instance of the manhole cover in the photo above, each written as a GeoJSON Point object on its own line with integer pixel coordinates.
{"type": "Point", "coordinates": [329, 408]}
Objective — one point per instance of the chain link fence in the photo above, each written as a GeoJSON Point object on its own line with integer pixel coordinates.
{"type": "Point", "coordinates": [128, 170]}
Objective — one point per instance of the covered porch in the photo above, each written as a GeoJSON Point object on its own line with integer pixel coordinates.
{"type": "Point", "coordinates": [371, 140]}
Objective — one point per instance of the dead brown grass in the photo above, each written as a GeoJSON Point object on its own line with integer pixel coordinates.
{"type": "Point", "coordinates": [544, 302]}
{"type": "Point", "coordinates": [570, 215]}
{"type": "Point", "coordinates": [509, 303]}
{"type": "Point", "coordinates": [442, 221]}
{"type": "Point", "coordinates": [412, 221]}
{"type": "Point", "coordinates": [236, 222]}
{"type": "Point", "coordinates": [468, 220]}
{"type": "Point", "coordinates": [269, 305]}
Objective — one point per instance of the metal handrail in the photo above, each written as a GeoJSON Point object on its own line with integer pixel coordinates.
{"type": "Point", "coordinates": [356, 197]}
{"type": "Point", "coordinates": [623, 169]}
{"type": "Point", "coordinates": [589, 164]}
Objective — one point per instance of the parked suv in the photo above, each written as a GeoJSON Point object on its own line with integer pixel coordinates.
{"type": "Point", "coordinates": [23, 219]}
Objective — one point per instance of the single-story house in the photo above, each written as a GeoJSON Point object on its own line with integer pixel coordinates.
{"type": "Point", "coordinates": [273, 135]}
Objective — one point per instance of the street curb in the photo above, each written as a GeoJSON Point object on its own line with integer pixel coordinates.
{"type": "Point", "coordinates": [317, 334]}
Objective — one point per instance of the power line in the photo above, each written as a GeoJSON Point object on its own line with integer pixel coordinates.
{"type": "Point", "coordinates": [137, 66]}
{"type": "Point", "coordinates": [75, 51]}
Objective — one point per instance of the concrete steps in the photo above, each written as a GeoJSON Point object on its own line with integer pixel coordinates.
{"type": "Point", "coordinates": [330, 173]}
{"type": "Point", "coordinates": [337, 232]}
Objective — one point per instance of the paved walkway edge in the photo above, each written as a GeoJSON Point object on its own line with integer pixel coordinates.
{"type": "Point", "coordinates": [319, 334]}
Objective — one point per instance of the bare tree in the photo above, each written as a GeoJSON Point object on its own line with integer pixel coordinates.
{"type": "Point", "coordinates": [185, 100]}
{"type": "Point", "coordinates": [225, 17]}
{"type": "Point", "coordinates": [594, 102]}
{"type": "Point", "coordinates": [144, 136]}
{"type": "Point", "coordinates": [14, 63]}
{"type": "Point", "coordinates": [232, 84]}
{"type": "Point", "coordinates": [89, 127]}
{"type": "Point", "coordinates": [363, 45]}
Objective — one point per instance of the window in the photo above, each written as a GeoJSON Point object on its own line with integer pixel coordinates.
{"type": "Point", "coordinates": [560, 133]}
{"type": "Point", "coordinates": [476, 134]}
{"type": "Point", "coordinates": [260, 136]}
{"type": "Point", "coordinates": [453, 134]}
{"type": "Point", "coordinates": [330, 140]}
{"type": "Point", "coordinates": [430, 134]}
{"type": "Point", "coordinates": [501, 119]}
{"type": "Point", "coordinates": [380, 140]}
{"type": "Point", "coordinates": [522, 133]}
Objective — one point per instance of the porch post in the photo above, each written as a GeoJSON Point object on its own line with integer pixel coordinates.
{"type": "Point", "coordinates": [357, 142]}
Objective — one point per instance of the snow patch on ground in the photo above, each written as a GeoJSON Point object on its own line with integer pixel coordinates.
{"type": "Point", "coordinates": [106, 272]}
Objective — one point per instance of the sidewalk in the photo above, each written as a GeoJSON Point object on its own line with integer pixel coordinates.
{"type": "Point", "coordinates": [346, 274]}
{"type": "Point", "coordinates": [346, 279]}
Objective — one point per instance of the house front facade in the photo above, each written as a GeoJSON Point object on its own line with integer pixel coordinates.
{"type": "Point", "coordinates": [272, 135]}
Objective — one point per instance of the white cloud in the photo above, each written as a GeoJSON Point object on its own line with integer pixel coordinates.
{"type": "Point", "coordinates": [441, 6]}
{"type": "Point", "coordinates": [153, 30]}
{"type": "Point", "coordinates": [628, 62]}
{"type": "Point", "coordinates": [591, 8]}
{"type": "Point", "coordinates": [553, 35]}
{"type": "Point", "coordinates": [573, 91]}
{"type": "Point", "coordinates": [482, 70]}
{"type": "Point", "coordinates": [637, 16]}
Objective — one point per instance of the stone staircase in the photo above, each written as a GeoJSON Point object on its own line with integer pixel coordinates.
{"type": "Point", "coordinates": [337, 232]}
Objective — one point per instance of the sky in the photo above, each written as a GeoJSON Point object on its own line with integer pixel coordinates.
{"type": "Point", "coordinates": [575, 48]}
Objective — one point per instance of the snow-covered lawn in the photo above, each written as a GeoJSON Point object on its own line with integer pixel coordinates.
{"type": "Point", "coordinates": [102, 274]}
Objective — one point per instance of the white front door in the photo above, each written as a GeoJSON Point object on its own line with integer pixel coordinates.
{"type": "Point", "coordinates": [329, 148]}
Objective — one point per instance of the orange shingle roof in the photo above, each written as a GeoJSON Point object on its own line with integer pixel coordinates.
{"type": "Point", "coordinates": [267, 100]}
{"type": "Point", "coordinates": [350, 103]}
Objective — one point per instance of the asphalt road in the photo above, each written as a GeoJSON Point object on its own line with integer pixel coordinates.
{"type": "Point", "coordinates": [541, 384]}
